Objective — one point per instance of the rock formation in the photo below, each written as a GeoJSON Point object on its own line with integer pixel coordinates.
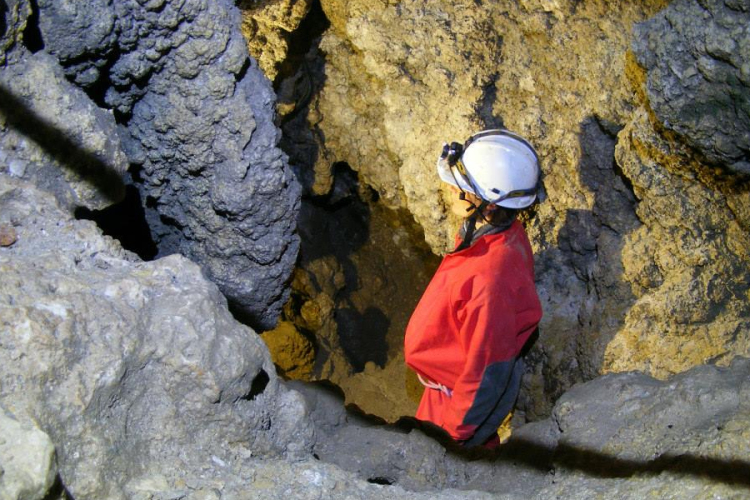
{"type": "Point", "coordinates": [268, 25]}
{"type": "Point", "coordinates": [127, 364]}
{"type": "Point", "coordinates": [147, 388]}
{"type": "Point", "coordinates": [641, 243]}
{"type": "Point", "coordinates": [196, 123]}
{"type": "Point", "coordinates": [620, 436]}
{"type": "Point", "coordinates": [144, 385]}
{"type": "Point", "coordinates": [697, 55]}
{"type": "Point", "coordinates": [50, 132]}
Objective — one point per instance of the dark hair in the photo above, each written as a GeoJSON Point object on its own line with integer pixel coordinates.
{"type": "Point", "coordinates": [502, 216]}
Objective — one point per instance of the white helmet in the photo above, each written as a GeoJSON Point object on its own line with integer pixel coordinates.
{"type": "Point", "coordinates": [497, 165]}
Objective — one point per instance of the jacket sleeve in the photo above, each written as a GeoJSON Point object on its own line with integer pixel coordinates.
{"type": "Point", "coordinates": [487, 334]}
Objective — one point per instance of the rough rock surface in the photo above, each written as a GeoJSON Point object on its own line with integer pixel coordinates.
{"type": "Point", "coordinates": [149, 389]}
{"type": "Point", "coordinates": [197, 123]}
{"type": "Point", "coordinates": [697, 54]}
{"type": "Point", "coordinates": [640, 247]}
{"type": "Point", "coordinates": [360, 273]}
{"type": "Point", "coordinates": [50, 132]}
{"type": "Point", "coordinates": [267, 25]}
{"type": "Point", "coordinates": [292, 353]}
{"type": "Point", "coordinates": [27, 460]}
{"type": "Point", "coordinates": [686, 437]}
{"type": "Point", "coordinates": [689, 272]}
{"type": "Point", "coordinates": [133, 369]}
{"type": "Point", "coordinates": [619, 436]}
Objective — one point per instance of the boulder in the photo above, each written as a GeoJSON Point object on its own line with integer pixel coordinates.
{"type": "Point", "coordinates": [50, 131]}
{"type": "Point", "coordinates": [623, 435]}
{"type": "Point", "coordinates": [134, 369]}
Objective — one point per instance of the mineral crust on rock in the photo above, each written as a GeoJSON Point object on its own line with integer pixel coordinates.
{"type": "Point", "coordinates": [267, 25]}
{"type": "Point", "coordinates": [196, 118]}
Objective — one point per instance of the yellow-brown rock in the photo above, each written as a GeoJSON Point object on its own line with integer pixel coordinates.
{"type": "Point", "coordinates": [8, 235]}
{"type": "Point", "coordinates": [641, 248]}
{"type": "Point", "coordinates": [266, 25]}
{"type": "Point", "coordinates": [291, 352]}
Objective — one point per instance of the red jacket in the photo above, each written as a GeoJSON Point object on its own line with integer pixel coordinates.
{"type": "Point", "coordinates": [468, 329]}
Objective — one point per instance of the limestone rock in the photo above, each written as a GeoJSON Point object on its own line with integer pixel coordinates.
{"type": "Point", "coordinates": [681, 438]}
{"type": "Point", "coordinates": [52, 134]}
{"type": "Point", "coordinates": [197, 123]}
{"type": "Point", "coordinates": [267, 25]}
{"type": "Point", "coordinates": [82, 36]}
{"type": "Point", "coordinates": [401, 79]}
{"type": "Point", "coordinates": [688, 272]}
{"type": "Point", "coordinates": [619, 436]}
{"type": "Point", "coordinates": [398, 83]}
{"type": "Point", "coordinates": [697, 54]}
{"type": "Point", "coordinates": [27, 460]}
{"type": "Point", "coordinates": [292, 353]}
{"type": "Point", "coordinates": [132, 368]}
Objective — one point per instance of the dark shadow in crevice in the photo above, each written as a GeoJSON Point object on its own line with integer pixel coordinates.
{"type": "Point", "coordinates": [126, 222]}
{"type": "Point", "coordinates": [300, 79]}
{"type": "Point", "coordinates": [301, 41]}
{"type": "Point", "coordinates": [363, 336]}
{"type": "Point", "coordinates": [258, 386]}
{"type": "Point", "coordinates": [58, 491]}
{"type": "Point", "coordinates": [64, 150]}
{"type": "Point", "coordinates": [3, 20]}
{"type": "Point", "coordinates": [32, 36]}
{"type": "Point", "coordinates": [97, 91]}
{"type": "Point", "coordinates": [485, 108]}
{"type": "Point", "coordinates": [337, 225]}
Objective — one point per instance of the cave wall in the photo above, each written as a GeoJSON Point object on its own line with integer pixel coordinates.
{"type": "Point", "coordinates": [166, 90]}
{"type": "Point", "coordinates": [641, 243]}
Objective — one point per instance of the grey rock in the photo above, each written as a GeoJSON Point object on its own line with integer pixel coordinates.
{"type": "Point", "coordinates": [697, 54]}
{"type": "Point", "coordinates": [619, 436]}
{"type": "Point", "coordinates": [631, 436]}
{"type": "Point", "coordinates": [81, 35]}
{"type": "Point", "coordinates": [197, 120]}
{"type": "Point", "coordinates": [132, 368]}
{"type": "Point", "coordinates": [27, 459]}
{"type": "Point", "coordinates": [51, 133]}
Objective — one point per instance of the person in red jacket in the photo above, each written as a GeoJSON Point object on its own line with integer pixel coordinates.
{"type": "Point", "coordinates": [465, 336]}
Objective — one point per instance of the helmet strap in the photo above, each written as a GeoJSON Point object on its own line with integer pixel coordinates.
{"type": "Point", "coordinates": [471, 225]}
